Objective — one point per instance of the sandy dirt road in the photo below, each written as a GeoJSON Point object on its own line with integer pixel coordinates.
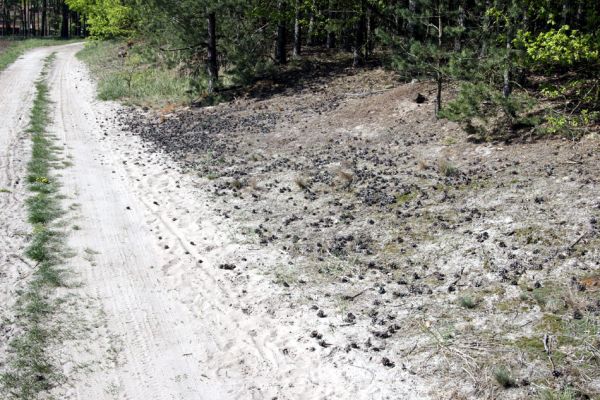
{"type": "Point", "coordinates": [159, 318]}
{"type": "Point", "coordinates": [17, 90]}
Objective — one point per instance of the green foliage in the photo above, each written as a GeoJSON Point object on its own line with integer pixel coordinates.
{"type": "Point", "coordinates": [569, 125]}
{"type": "Point", "coordinates": [486, 113]}
{"type": "Point", "coordinates": [504, 377]}
{"type": "Point", "coordinates": [494, 48]}
{"type": "Point", "coordinates": [566, 394]}
{"type": "Point", "coordinates": [467, 302]}
{"type": "Point", "coordinates": [562, 47]}
{"type": "Point", "coordinates": [105, 18]}
{"type": "Point", "coordinates": [141, 77]}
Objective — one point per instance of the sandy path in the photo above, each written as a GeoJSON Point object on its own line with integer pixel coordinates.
{"type": "Point", "coordinates": [170, 324]}
{"type": "Point", "coordinates": [17, 90]}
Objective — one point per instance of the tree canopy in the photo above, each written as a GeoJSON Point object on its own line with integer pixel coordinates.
{"type": "Point", "coordinates": [544, 48]}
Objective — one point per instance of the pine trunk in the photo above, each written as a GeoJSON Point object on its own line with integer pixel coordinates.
{"type": "Point", "coordinates": [212, 62]}
{"type": "Point", "coordinates": [44, 18]}
{"type": "Point", "coordinates": [439, 75]}
{"type": "Point", "coordinates": [330, 32]}
{"type": "Point", "coordinates": [297, 32]}
{"type": "Point", "coordinates": [311, 26]}
{"type": "Point", "coordinates": [507, 88]}
{"type": "Point", "coordinates": [359, 37]}
{"type": "Point", "coordinates": [412, 25]}
{"type": "Point", "coordinates": [485, 30]}
{"type": "Point", "coordinates": [461, 26]}
{"type": "Point", "coordinates": [64, 28]}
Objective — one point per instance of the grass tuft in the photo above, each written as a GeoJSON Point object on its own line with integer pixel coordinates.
{"type": "Point", "coordinates": [467, 302]}
{"type": "Point", "coordinates": [504, 377]}
{"type": "Point", "coordinates": [566, 394]}
{"type": "Point", "coordinates": [138, 77]}
{"type": "Point", "coordinates": [447, 169]}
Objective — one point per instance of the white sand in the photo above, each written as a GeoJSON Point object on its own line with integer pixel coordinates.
{"type": "Point", "coordinates": [155, 322]}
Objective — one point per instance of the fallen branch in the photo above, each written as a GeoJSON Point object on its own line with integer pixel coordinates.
{"type": "Point", "coordinates": [548, 352]}
{"type": "Point", "coordinates": [346, 297]}
{"type": "Point", "coordinates": [184, 48]}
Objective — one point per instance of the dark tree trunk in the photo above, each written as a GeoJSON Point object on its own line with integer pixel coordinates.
{"type": "Point", "coordinates": [579, 15]}
{"type": "Point", "coordinates": [280, 53]}
{"type": "Point", "coordinates": [14, 25]}
{"type": "Point", "coordinates": [485, 30]}
{"type": "Point", "coordinates": [297, 31]}
{"type": "Point", "coordinates": [525, 23]}
{"type": "Point", "coordinates": [369, 44]}
{"type": "Point", "coordinates": [64, 28]}
{"type": "Point", "coordinates": [348, 39]}
{"type": "Point", "coordinates": [439, 75]}
{"type": "Point", "coordinates": [77, 18]}
{"type": "Point", "coordinates": [330, 31]}
{"type": "Point", "coordinates": [311, 26]}
{"type": "Point", "coordinates": [331, 40]}
{"type": "Point", "coordinates": [461, 26]}
{"type": "Point", "coordinates": [359, 37]}
{"type": "Point", "coordinates": [44, 18]}
{"type": "Point", "coordinates": [212, 62]}
{"type": "Point", "coordinates": [6, 18]}
{"type": "Point", "coordinates": [84, 27]}
{"type": "Point", "coordinates": [507, 88]}
{"type": "Point", "coordinates": [566, 10]}
{"type": "Point", "coordinates": [24, 19]}
{"type": "Point", "coordinates": [412, 25]}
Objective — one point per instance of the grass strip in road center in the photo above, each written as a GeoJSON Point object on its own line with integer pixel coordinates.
{"type": "Point", "coordinates": [29, 370]}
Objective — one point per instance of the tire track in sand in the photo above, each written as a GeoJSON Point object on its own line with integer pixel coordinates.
{"type": "Point", "coordinates": [182, 329]}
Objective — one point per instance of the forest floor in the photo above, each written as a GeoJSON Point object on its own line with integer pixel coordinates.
{"type": "Point", "coordinates": [325, 239]}
{"type": "Point", "coordinates": [474, 266]}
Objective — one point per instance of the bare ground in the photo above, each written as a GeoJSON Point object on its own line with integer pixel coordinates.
{"type": "Point", "coordinates": [171, 298]}
{"type": "Point", "coordinates": [329, 240]}
{"type": "Point", "coordinates": [408, 246]}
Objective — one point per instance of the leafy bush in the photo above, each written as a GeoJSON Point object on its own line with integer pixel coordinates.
{"type": "Point", "coordinates": [105, 18]}
{"type": "Point", "coordinates": [562, 47]}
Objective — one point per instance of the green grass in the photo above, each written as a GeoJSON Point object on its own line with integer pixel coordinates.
{"type": "Point", "coordinates": [447, 169]}
{"type": "Point", "coordinates": [29, 370]}
{"type": "Point", "coordinates": [504, 377]}
{"type": "Point", "coordinates": [467, 302]}
{"type": "Point", "coordinates": [140, 78]}
{"type": "Point", "coordinates": [566, 394]}
{"type": "Point", "coordinates": [407, 197]}
{"type": "Point", "coordinates": [17, 47]}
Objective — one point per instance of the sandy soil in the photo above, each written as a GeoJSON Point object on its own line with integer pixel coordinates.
{"type": "Point", "coordinates": [175, 307]}
{"type": "Point", "coordinates": [308, 243]}
{"type": "Point", "coordinates": [411, 247]}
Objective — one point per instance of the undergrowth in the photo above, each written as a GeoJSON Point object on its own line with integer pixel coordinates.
{"type": "Point", "coordinates": [134, 76]}
{"type": "Point", "coordinates": [29, 370]}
